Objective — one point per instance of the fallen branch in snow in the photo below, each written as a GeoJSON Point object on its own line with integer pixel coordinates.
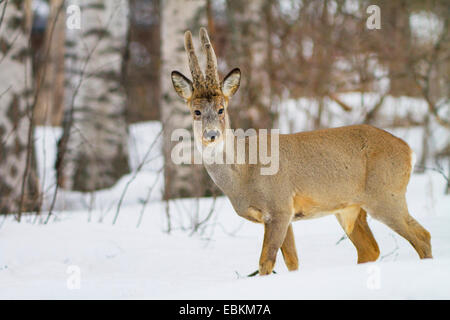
{"type": "Point", "coordinates": [255, 273]}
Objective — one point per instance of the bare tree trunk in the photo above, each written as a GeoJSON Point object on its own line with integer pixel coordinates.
{"type": "Point", "coordinates": [177, 17]}
{"type": "Point", "coordinates": [50, 86]}
{"type": "Point", "coordinates": [19, 189]}
{"type": "Point", "coordinates": [250, 51]}
{"type": "Point", "coordinates": [93, 151]}
{"type": "Point", "coordinates": [143, 61]}
{"type": "Point", "coordinates": [396, 26]}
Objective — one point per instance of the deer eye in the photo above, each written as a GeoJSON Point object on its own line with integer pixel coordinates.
{"type": "Point", "coordinates": [197, 113]}
{"type": "Point", "coordinates": [220, 111]}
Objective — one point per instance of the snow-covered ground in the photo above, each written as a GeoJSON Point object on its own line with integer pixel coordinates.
{"type": "Point", "coordinates": [124, 261]}
{"type": "Point", "coordinates": [81, 254]}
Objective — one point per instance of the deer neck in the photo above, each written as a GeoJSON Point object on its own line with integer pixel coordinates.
{"type": "Point", "coordinates": [223, 174]}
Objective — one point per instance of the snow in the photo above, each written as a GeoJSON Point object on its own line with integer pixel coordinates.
{"type": "Point", "coordinates": [426, 26]}
{"type": "Point", "coordinates": [123, 261]}
{"type": "Point", "coordinates": [81, 254]}
{"type": "Point", "coordinates": [145, 150]}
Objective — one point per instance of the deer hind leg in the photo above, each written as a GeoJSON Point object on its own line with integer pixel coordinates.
{"type": "Point", "coordinates": [275, 232]}
{"type": "Point", "coordinates": [417, 235]}
{"type": "Point", "coordinates": [289, 251]}
{"type": "Point", "coordinates": [396, 216]}
{"type": "Point", "coordinates": [354, 222]}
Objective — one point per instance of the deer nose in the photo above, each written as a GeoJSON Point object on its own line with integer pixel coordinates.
{"type": "Point", "coordinates": [211, 135]}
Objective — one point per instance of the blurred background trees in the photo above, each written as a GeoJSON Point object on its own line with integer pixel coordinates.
{"type": "Point", "coordinates": [18, 176]}
{"type": "Point", "coordinates": [93, 149]}
{"type": "Point", "coordinates": [317, 56]}
{"type": "Point", "coordinates": [143, 61]}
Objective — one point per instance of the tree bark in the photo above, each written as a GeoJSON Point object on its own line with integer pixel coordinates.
{"type": "Point", "coordinates": [50, 71]}
{"type": "Point", "coordinates": [93, 150]}
{"type": "Point", "coordinates": [249, 50]}
{"type": "Point", "coordinates": [143, 61]}
{"type": "Point", "coordinates": [19, 188]}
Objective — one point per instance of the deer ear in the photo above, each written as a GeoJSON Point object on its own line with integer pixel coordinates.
{"type": "Point", "coordinates": [182, 85]}
{"type": "Point", "coordinates": [231, 82]}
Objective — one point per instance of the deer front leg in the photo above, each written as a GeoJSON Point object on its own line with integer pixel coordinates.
{"type": "Point", "coordinates": [289, 251]}
{"type": "Point", "coordinates": [274, 234]}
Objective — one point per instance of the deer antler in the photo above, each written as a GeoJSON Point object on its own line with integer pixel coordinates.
{"type": "Point", "coordinates": [197, 75]}
{"type": "Point", "coordinates": [212, 76]}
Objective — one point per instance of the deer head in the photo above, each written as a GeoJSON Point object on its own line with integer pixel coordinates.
{"type": "Point", "coordinates": [206, 96]}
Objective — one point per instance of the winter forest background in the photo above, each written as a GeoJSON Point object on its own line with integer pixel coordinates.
{"type": "Point", "coordinates": [87, 109]}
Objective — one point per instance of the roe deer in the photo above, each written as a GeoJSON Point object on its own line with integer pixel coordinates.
{"type": "Point", "coordinates": [345, 171]}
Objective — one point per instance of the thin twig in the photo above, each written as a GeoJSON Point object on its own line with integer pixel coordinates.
{"type": "Point", "coordinates": [68, 124]}
{"type": "Point", "coordinates": [439, 170]}
{"type": "Point", "coordinates": [139, 168]}
{"type": "Point", "coordinates": [200, 223]}
{"type": "Point", "coordinates": [147, 199]}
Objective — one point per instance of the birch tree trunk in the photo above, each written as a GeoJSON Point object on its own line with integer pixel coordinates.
{"type": "Point", "coordinates": [19, 189]}
{"type": "Point", "coordinates": [93, 151]}
{"type": "Point", "coordinates": [178, 16]}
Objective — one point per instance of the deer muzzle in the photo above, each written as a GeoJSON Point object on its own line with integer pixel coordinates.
{"type": "Point", "coordinates": [210, 135]}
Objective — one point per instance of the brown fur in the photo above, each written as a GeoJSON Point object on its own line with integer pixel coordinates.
{"type": "Point", "coordinates": [342, 171]}
{"type": "Point", "coordinates": [361, 236]}
{"type": "Point", "coordinates": [289, 251]}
